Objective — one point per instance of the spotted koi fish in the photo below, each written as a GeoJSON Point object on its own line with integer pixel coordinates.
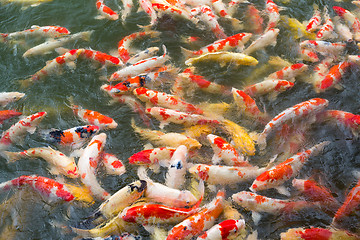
{"type": "Point", "coordinates": [273, 12]}
{"type": "Point", "coordinates": [352, 21]}
{"type": "Point", "coordinates": [333, 77]}
{"type": "Point", "coordinates": [247, 106]}
{"type": "Point", "coordinates": [148, 8]}
{"type": "Point", "coordinates": [224, 151]}
{"type": "Point", "coordinates": [74, 137]}
{"type": "Point", "coordinates": [266, 39]}
{"type": "Point", "coordinates": [227, 229]}
{"type": "Point", "coordinates": [224, 58]}
{"type": "Point", "coordinates": [315, 20]}
{"type": "Point", "coordinates": [105, 11]}
{"type": "Point", "coordinates": [272, 87]}
{"type": "Point", "coordinates": [124, 44]}
{"type": "Point", "coordinates": [317, 233]}
{"type": "Point", "coordinates": [113, 165]}
{"type": "Point", "coordinates": [200, 221]}
{"type": "Point", "coordinates": [165, 100]}
{"type": "Point", "coordinates": [301, 110]}
{"type": "Point", "coordinates": [205, 14]}
{"type": "Point", "coordinates": [324, 47]}
{"type": "Point", "coordinates": [100, 57]}
{"type": "Point", "coordinates": [140, 67]}
{"type": "Point", "coordinates": [52, 190]}
{"type": "Point", "coordinates": [147, 53]}
{"type": "Point", "coordinates": [173, 8]}
{"type": "Point", "coordinates": [221, 10]}
{"type": "Point", "coordinates": [327, 28]}
{"type": "Point", "coordinates": [308, 55]}
{"type": "Point", "coordinates": [234, 41]}
{"type": "Point", "coordinates": [94, 118]}
{"type": "Point", "coordinates": [9, 97]}
{"type": "Point", "coordinates": [7, 114]}
{"type": "Point", "coordinates": [175, 177]}
{"type": "Point", "coordinates": [88, 162]}
{"type": "Point", "coordinates": [282, 172]}
{"type": "Point", "coordinates": [321, 70]}
{"type": "Point", "coordinates": [37, 31]}
{"type": "Point", "coordinates": [254, 19]}
{"type": "Point", "coordinates": [348, 119]}
{"type": "Point", "coordinates": [153, 158]}
{"type": "Point", "coordinates": [289, 73]}
{"type": "Point", "coordinates": [60, 162]}
{"type": "Point", "coordinates": [18, 130]}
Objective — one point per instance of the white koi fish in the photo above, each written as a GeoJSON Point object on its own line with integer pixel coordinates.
{"type": "Point", "coordinates": [268, 38]}
{"type": "Point", "coordinates": [175, 177]}
{"type": "Point", "coordinates": [9, 97]}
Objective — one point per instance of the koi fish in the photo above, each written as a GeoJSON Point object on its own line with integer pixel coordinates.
{"type": "Point", "coordinates": [321, 70]}
{"type": "Point", "coordinates": [315, 20]}
{"type": "Point", "coordinates": [175, 176]}
{"type": "Point", "coordinates": [272, 87]}
{"type": "Point", "coordinates": [206, 15]}
{"type": "Point", "coordinates": [324, 47]}
{"type": "Point", "coordinates": [266, 39]}
{"type": "Point", "coordinates": [224, 175]}
{"type": "Point", "coordinates": [297, 29]}
{"type": "Point", "coordinates": [171, 8]}
{"type": "Point", "coordinates": [200, 221]}
{"type": "Point", "coordinates": [9, 97]}
{"type": "Point", "coordinates": [224, 58]}
{"type": "Point", "coordinates": [282, 172]}
{"type": "Point", "coordinates": [148, 8]}
{"type": "Point", "coordinates": [74, 137]}
{"type": "Point", "coordinates": [52, 190]}
{"type": "Point", "coordinates": [342, 30]}
{"type": "Point", "coordinates": [233, 6]}
{"type": "Point", "coordinates": [94, 118]}
{"type": "Point", "coordinates": [165, 100]}
{"type": "Point", "coordinates": [37, 31]}
{"type": "Point", "coordinates": [220, 9]}
{"type": "Point", "coordinates": [352, 21]}
{"type": "Point", "coordinates": [19, 129]}
{"type": "Point", "coordinates": [301, 110]}
{"type": "Point", "coordinates": [224, 151]}
{"type": "Point", "coordinates": [327, 28]}
{"type": "Point", "coordinates": [273, 13]}
{"type": "Point", "coordinates": [333, 77]}
{"type": "Point", "coordinates": [147, 53]}
{"type": "Point", "coordinates": [143, 66]}
{"type": "Point", "coordinates": [6, 114]}
{"type": "Point", "coordinates": [51, 44]}
{"type": "Point", "coordinates": [124, 44]}
{"type": "Point", "coordinates": [289, 73]}
{"type": "Point", "coordinates": [100, 57]}
{"type": "Point", "coordinates": [127, 6]}
{"type": "Point", "coordinates": [317, 233]}
{"type": "Point", "coordinates": [308, 55]}
{"type": "Point", "coordinates": [59, 162]}
{"type": "Point", "coordinates": [227, 229]}
{"type": "Point", "coordinates": [348, 119]}
{"type": "Point", "coordinates": [105, 11]}
{"type": "Point", "coordinates": [254, 19]}
{"type": "Point", "coordinates": [87, 165]}
{"type": "Point", "coordinates": [113, 165]}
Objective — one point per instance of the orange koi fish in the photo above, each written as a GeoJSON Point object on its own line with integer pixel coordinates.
{"type": "Point", "coordinates": [37, 31]}
{"type": "Point", "coordinates": [227, 229]}
{"type": "Point", "coordinates": [289, 73]}
{"type": "Point", "coordinates": [308, 55]}
{"type": "Point", "coordinates": [352, 21]}
{"type": "Point", "coordinates": [105, 11]}
{"type": "Point", "coordinates": [273, 12]}
{"type": "Point", "coordinates": [314, 21]}
{"type": "Point", "coordinates": [88, 162]}
{"type": "Point", "coordinates": [49, 188]}
{"type": "Point", "coordinates": [112, 164]}
{"type": "Point", "coordinates": [301, 110]}
{"type": "Point", "coordinates": [282, 172]}
{"type": "Point", "coordinates": [200, 221]}
{"type": "Point", "coordinates": [6, 114]}
{"type": "Point", "coordinates": [100, 57]}
{"type": "Point", "coordinates": [327, 28]}
{"type": "Point", "coordinates": [317, 233]}
{"type": "Point", "coordinates": [19, 129]}
{"type": "Point", "coordinates": [152, 157]}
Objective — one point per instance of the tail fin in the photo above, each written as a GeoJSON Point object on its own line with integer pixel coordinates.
{"type": "Point", "coordinates": [216, 110]}
{"type": "Point", "coordinates": [26, 83]}
{"type": "Point", "coordinates": [187, 53]}
{"type": "Point", "coordinates": [81, 193]}
{"type": "Point", "coordinates": [86, 35]}
{"type": "Point", "coordinates": [11, 156]}
{"type": "Point", "coordinates": [236, 24]}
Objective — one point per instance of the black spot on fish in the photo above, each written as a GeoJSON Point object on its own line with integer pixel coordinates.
{"type": "Point", "coordinates": [144, 79]}
{"type": "Point", "coordinates": [140, 188]}
{"type": "Point", "coordinates": [56, 135]}
{"type": "Point", "coordinates": [127, 84]}
{"type": "Point", "coordinates": [84, 132]}
{"type": "Point", "coordinates": [178, 165]}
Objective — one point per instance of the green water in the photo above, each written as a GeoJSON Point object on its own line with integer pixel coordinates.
{"type": "Point", "coordinates": [34, 219]}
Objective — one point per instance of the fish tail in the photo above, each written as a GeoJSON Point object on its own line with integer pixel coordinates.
{"type": "Point", "coordinates": [146, 133]}
{"type": "Point", "coordinates": [215, 109]}
{"type": "Point", "coordinates": [187, 53]}
{"type": "Point", "coordinates": [25, 83]}
{"type": "Point", "coordinates": [81, 193]}
{"type": "Point", "coordinates": [236, 24]}
{"type": "Point", "coordinates": [11, 156]}
{"type": "Point", "coordinates": [86, 35]}
{"type": "Point", "coordinates": [261, 141]}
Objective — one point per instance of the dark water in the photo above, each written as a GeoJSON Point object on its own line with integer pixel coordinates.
{"type": "Point", "coordinates": [35, 219]}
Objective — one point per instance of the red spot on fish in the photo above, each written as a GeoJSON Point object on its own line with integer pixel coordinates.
{"type": "Point", "coordinates": [315, 234]}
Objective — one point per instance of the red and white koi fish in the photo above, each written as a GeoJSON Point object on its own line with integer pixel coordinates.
{"type": "Point", "coordinates": [52, 44]}
{"type": "Point", "coordinates": [60, 162]}
{"type": "Point", "coordinates": [327, 28]}
{"type": "Point", "coordinates": [158, 192]}
{"type": "Point", "coordinates": [308, 55]}
{"type": "Point", "coordinates": [221, 9]}
{"type": "Point", "coordinates": [234, 41]}
{"type": "Point", "coordinates": [273, 12]}
{"type": "Point", "coordinates": [317, 233]}
{"type": "Point", "coordinates": [127, 7]}
{"type": "Point", "coordinates": [113, 165]}
{"type": "Point", "coordinates": [272, 87]}
{"type": "Point", "coordinates": [94, 118]}
{"type": "Point", "coordinates": [74, 137]}
{"type": "Point", "coordinates": [200, 221]}
{"type": "Point", "coordinates": [205, 14]}
{"type": "Point", "coordinates": [176, 8]}
{"type": "Point", "coordinates": [352, 202]}
{"type": "Point", "coordinates": [124, 44]}
{"type": "Point", "coordinates": [6, 114]}
{"type": "Point", "coordinates": [105, 11]}
{"type": "Point", "coordinates": [233, 6]}
{"type": "Point", "coordinates": [37, 31]}
{"type": "Point", "coordinates": [153, 157]}
{"type": "Point", "coordinates": [100, 57]}
{"type": "Point", "coordinates": [289, 73]}
{"type": "Point", "coordinates": [342, 30]}
{"type": "Point", "coordinates": [266, 39]}
{"type": "Point", "coordinates": [224, 151]}
{"type": "Point", "coordinates": [348, 119]}
{"type": "Point", "coordinates": [248, 106]}
{"type": "Point", "coordinates": [282, 172]}
{"type": "Point", "coordinates": [88, 162]}
{"type": "Point", "coordinates": [254, 19]}
{"type": "Point", "coordinates": [321, 70]}
{"type": "Point", "coordinates": [224, 175]}
{"type": "Point", "coordinates": [324, 47]}
{"type": "Point", "coordinates": [333, 77]}
{"type": "Point", "coordinates": [301, 110]}
{"type": "Point", "coordinates": [19, 129]}
{"type": "Point", "coordinates": [143, 66]}
{"type": "Point", "coordinates": [147, 53]}
{"type": "Point", "coordinates": [351, 20]}
{"type": "Point", "coordinates": [315, 20]}
{"type": "Point", "coordinates": [9, 97]}
{"type": "Point", "coordinates": [165, 100]}
{"type": "Point", "coordinates": [227, 229]}
{"type": "Point", "coordinates": [52, 190]}
{"type": "Point", "coordinates": [149, 213]}
{"type": "Point", "coordinates": [148, 8]}
{"type": "Point", "coordinates": [175, 177]}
